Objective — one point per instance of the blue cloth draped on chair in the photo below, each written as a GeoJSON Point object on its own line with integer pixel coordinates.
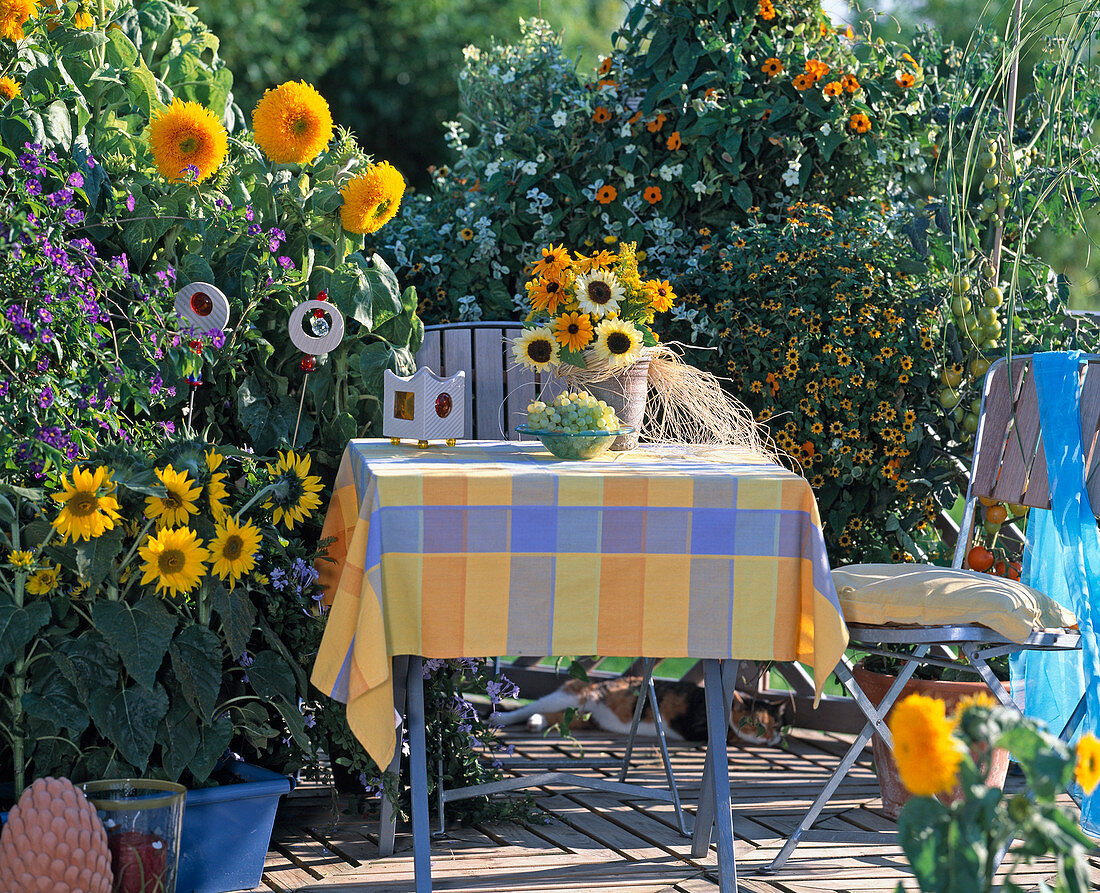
{"type": "Point", "coordinates": [1063, 560]}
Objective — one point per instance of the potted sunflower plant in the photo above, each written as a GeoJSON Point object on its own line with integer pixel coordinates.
{"type": "Point", "coordinates": [134, 639]}
{"type": "Point", "coordinates": [591, 323]}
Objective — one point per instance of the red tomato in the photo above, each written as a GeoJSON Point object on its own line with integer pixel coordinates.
{"type": "Point", "coordinates": [979, 558]}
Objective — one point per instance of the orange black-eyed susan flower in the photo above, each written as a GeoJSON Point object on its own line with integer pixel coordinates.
{"type": "Point", "coordinates": [657, 123]}
{"type": "Point", "coordinates": [850, 83]}
{"type": "Point", "coordinates": [772, 67]}
{"type": "Point", "coordinates": [765, 10]}
{"type": "Point", "coordinates": [816, 69]}
{"type": "Point", "coordinates": [606, 194]}
{"type": "Point", "coordinates": [905, 80]}
{"type": "Point", "coordinates": [674, 141]}
{"type": "Point", "coordinates": [859, 122]}
{"type": "Point", "coordinates": [803, 81]}
{"type": "Point", "coordinates": [601, 115]}
{"type": "Point", "coordinates": [833, 88]}
{"type": "Point", "coordinates": [652, 194]}
{"type": "Point", "coordinates": [605, 66]}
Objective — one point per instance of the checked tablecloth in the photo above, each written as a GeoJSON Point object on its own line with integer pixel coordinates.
{"type": "Point", "coordinates": [490, 548]}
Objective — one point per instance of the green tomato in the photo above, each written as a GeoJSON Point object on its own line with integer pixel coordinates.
{"type": "Point", "coordinates": [959, 414]}
{"type": "Point", "coordinates": [949, 398]}
{"type": "Point", "coordinates": [979, 366]}
{"type": "Point", "coordinates": [970, 423]}
{"type": "Point", "coordinates": [976, 405]}
{"type": "Point", "coordinates": [951, 376]}
{"type": "Point", "coordinates": [991, 330]}
{"type": "Point", "coordinates": [991, 344]}
{"type": "Point", "coordinates": [993, 297]}
{"type": "Point", "coordinates": [988, 160]}
{"type": "Point", "coordinates": [990, 180]}
{"type": "Point", "coordinates": [989, 205]}
{"type": "Point", "coordinates": [960, 304]}
{"type": "Point", "coordinates": [988, 270]}
{"type": "Point", "coordinates": [987, 316]}
{"type": "Point", "coordinates": [960, 285]}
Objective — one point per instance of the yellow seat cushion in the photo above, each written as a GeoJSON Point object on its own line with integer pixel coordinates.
{"type": "Point", "coordinates": [926, 595]}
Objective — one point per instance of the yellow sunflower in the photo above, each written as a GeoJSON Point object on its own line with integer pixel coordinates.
{"type": "Point", "coordinates": [927, 755]}
{"type": "Point", "coordinates": [536, 348]}
{"type": "Point", "coordinates": [174, 559]}
{"type": "Point", "coordinates": [187, 139]}
{"type": "Point", "coordinates": [660, 295]}
{"type": "Point", "coordinates": [618, 343]}
{"type": "Point", "coordinates": [21, 559]}
{"type": "Point", "coordinates": [573, 330]}
{"type": "Point", "coordinates": [44, 580]}
{"type": "Point", "coordinates": [546, 293]}
{"type": "Point", "coordinates": [555, 261]}
{"type": "Point", "coordinates": [601, 260]}
{"type": "Point", "coordinates": [9, 89]}
{"type": "Point", "coordinates": [83, 19]}
{"type": "Point", "coordinates": [88, 506]}
{"type": "Point", "coordinates": [292, 123]}
{"type": "Point", "coordinates": [215, 490]}
{"type": "Point", "coordinates": [296, 495]}
{"type": "Point", "coordinates": [599, 293]}
{"type": "Point", "coordinates": [178, 504]}
{"type": "Point", "coordinates": [1087, 770]}
{"type": "Point", "coordinates": [14, 15]}
{"type": "Point", "coordinates": [372, 198]}
{"type": "Point", "coordinates": [233, 550]}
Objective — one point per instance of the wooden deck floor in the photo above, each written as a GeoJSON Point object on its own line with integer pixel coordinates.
{"type": "Point", "coordinates": [590, 841]}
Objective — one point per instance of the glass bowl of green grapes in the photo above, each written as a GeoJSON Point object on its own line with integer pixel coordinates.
{"type": "Point", "coordinates": [574, 425]}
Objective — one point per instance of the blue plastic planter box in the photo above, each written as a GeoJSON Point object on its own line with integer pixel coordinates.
{"type": "Point", "coordinates": [227, 829]}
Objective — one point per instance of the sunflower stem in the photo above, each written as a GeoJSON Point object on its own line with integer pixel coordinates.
{"type": "Point", "coordinates": [263, 491]}
{"type": "Point", "coordinates": [19, 681]}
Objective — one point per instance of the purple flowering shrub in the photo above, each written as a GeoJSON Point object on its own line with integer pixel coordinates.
{"type": "Point", "coordinates": [79, 364]}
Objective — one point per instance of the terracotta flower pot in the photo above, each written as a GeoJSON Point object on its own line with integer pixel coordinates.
{"type": "Point", "coordinates": [894, 793]}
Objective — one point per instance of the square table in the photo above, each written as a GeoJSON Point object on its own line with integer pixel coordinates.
{"type": "Point", "coordinates": [495, 547]}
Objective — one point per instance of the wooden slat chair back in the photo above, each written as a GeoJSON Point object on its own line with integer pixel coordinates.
{"type": "Point", "coordinates": [1009, 457]}
{"type": "Point", "coordinates": [1009, 465]}
{"type": "Point", "coordinates": [498, 388]}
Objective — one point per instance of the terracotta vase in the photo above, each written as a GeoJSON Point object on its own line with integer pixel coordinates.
{"type": "Point", "coordinates": [894, 793]}
{"type": "Point", "coordinates": [626, 394]}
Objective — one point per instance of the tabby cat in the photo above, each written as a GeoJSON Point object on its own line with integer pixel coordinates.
{"type": "Point", "coordinates": [610, 706]}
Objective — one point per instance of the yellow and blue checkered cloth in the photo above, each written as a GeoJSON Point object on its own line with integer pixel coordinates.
{"type": "Point", "coordinates": [498, 548]}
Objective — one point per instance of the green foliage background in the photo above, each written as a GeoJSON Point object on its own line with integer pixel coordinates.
{"type": "Point", "coordinates": [387, 67]}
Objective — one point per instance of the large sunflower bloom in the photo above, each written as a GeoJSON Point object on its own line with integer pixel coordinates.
{"type": "Point", "coordinates": [927, 755]}
{"type": "Point", "coordinates": [14, 14]}
{"type": "Point", "coordinates": [187, 135]}
{"type": "Point", "coordinates": [292, 123]}
{"type": "Point", "coordinates": [43, 581]}
{"type": "Point", "coordinates": [83, 19]}
{"type": "Point", "coordinates": [233, 549]}
{"type": "Point", "coordinates": [536, 348]}
{"type": "Point", "coordinates": [573, 330]}
{"type": "Point", "coordinates": [86, 512]}
{"type": "Point", "coordinates": [299, 497]}
{"type": "Point", "coordinates": [215, 490]}
{"type": "Point", "coordinates": [178, 504]}
{"type": "Point", "coordinates": [372, 198]}
{"type": "Point", "coordinates": [174, 559]}
{"type": "Point", "coordinates": [1087, 770]}
{"type": "Point", "coordinates": [599, 293]}
{"type": "Point", "coordinates": [618, 343]}
{"type": "Point", "coordinates": [9, 89]}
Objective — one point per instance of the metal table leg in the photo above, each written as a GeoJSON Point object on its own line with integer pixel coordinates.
{"type": "Point", "coordinates": [719, 702]}
{"type": "Point", "coordinates": [388, 821]}
{"type": "Point", "coordinates": [418, 771]}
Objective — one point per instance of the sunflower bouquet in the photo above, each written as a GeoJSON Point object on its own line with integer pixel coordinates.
{"type": "Point", "coordinates": [590, 311]}
{"type": "Point", "coordinates": [139, 589]}
{"type": "Point", "coordinates": [953, 845]}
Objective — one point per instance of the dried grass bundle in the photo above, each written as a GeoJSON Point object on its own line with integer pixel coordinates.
{"type": "Point", "coordinates": [687, 405]}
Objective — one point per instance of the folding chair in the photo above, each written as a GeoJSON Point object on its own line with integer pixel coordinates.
{"type": "Point", "coordinates": [1009, 466]}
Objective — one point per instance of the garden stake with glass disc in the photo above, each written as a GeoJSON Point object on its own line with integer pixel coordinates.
{"type": "Point", "coordinates": [316, 327]}
{"type": "Point", "coordinates": [203, 308]}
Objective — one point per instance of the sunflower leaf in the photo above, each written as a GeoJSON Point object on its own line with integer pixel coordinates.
{"type": "Point", "coordinates": [130, 719]}
{"type": "Point", "coordinates": [197, 659]}
{"type": "Point", "coordinates": [139, 634]}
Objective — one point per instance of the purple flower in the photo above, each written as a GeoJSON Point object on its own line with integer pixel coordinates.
{"type": "Point", "coordinates": [285, 262]}
{"type": "Point", "coordinates": [130, 203]}
{"type": "Point", "coordinates": [245, 660]}
{"type": "Point", "coordinates": [169, 427]}
{"type": "Point", "coordinates": [248, 215]}
{"type": "Point", "coordinates": [76, 179]}
{"type": "Point", "coordinates": [191, 173]}
{"type": "Point", "coordinates": [46, 336]}
{"type": "Point", "coordinates": [34, 187]}
{"type": "Point", "coordinates": [276, 238]}
{"type": "Point", "coordinates": [254, 229]}
{"type": "Point", "coordinates": [309, 721]}
{"type": "Point", "coordinates": [155, 384]}
{"type": "Point", "coordinates": [45, 397]}
{"type": "Point", "coordinates": [91, 162]}
{"type": "Point", "coordinates": [217, 338]}
{"type": "Point", "coordinates": [5, 386]}
{"type": "Point", "coordinates": [45, 315]}
{"type": "Point", "coordinates": [74, 217]}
